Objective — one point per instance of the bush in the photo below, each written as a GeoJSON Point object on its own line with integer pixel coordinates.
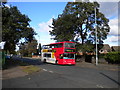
{"type": "Point", "coordinates": [113, 57]}
{"type": "Point", "coordinates": [101, 56]}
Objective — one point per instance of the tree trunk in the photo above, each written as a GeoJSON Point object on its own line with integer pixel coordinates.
{"type": "Point", "coordinates": [81, 33]}
{"type": "Point", "coordinates": [82, 40]}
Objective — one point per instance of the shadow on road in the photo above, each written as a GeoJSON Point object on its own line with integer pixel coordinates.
{"type": "Point", "coordinates": [29, 61]}
{"type": "Point", "coordinates": [15, 61]}
{"type": "Point", "coordinates": [37, 62]}
{"type": "Point", "coordinates": [110, 78]}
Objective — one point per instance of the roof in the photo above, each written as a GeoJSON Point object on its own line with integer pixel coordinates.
{"type": "Point", "coordinates": [106, 47]}
{"type": "Point", "coordinates": [115, 48]}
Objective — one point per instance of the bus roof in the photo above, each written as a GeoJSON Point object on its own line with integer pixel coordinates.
{"type": "Point", "coordinates": [58, 43]}
{"type": "Point", "coordinates": [61, 42]}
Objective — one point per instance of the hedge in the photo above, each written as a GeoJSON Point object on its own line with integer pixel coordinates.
{"type": "Point", "coordinates": [113, 57]}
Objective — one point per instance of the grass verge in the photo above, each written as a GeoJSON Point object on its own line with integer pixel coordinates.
{"type": "Point", "coordinates": [30, 69]}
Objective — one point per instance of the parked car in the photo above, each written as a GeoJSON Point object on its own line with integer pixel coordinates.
{"type": "Point", "coordinates": [8, 56]}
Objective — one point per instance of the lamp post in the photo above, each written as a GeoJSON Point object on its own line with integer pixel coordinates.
{"type": "Point", "coordinates": [1, 3]}
{"type": "Point", "coordinates": [39, 44]}
{"type": "Point", "coordinates": [96, 38]}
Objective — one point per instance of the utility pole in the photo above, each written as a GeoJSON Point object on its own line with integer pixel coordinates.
{"type": "Point", "coordinates": [96, 39]}
{"type": "Point", "coordinates": [1, 3]}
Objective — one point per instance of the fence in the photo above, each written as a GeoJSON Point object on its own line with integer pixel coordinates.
{"type": "Point", "coordinates": [2, 58]}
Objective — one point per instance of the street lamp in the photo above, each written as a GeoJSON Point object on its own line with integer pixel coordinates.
{"type": "Point", "coordinates": [96, 38]}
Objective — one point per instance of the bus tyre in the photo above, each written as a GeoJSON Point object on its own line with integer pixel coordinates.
{"type": "Point", "coordinates": [44, 61]}
{"type": "Point", "coordinates": [56, 62]}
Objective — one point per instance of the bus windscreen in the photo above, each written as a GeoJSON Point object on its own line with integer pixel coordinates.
{"type": "Point", "coordinates": [68, 56]}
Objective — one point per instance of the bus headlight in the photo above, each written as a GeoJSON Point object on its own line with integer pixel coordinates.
{"type": "Point", "coordinates": [64, 61]}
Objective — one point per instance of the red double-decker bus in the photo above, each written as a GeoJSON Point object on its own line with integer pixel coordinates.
{"type": "Point", "coordinates": [59, 53]}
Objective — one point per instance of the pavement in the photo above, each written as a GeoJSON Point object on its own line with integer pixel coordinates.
{"type": "Point", "coordinates": [13, 72]}
{"type": "Point", "coordinates": [100, 66]}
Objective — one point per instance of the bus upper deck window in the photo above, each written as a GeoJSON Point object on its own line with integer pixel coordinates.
{"type": "Point", "coordinates": [70, 45]}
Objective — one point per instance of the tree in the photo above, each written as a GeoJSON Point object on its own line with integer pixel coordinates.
{"type": "Point", "coordinates": [3, 2]}
{"type": "Point", "coordinates": [78, 20]}
{"type": "Point", "coordinates": [32, 47]}
{"type": "Point", "coordinates": [15, 26]}
{"type": "Point", "coordinates": [27, 48]}
{"type": "Point", "coordinates": [63, 28]}
{"type": "Point", "coordinates": [23, 49]}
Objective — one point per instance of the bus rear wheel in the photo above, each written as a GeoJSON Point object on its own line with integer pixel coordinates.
{"type": "Point", "coordinates": [56, 62]}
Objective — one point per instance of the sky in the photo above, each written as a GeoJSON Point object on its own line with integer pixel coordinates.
{"type": "Point", "coordinates": [41, 14]}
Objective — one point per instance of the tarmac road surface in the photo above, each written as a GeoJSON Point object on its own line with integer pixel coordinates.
{"type": "Point", "coordinates": [64, 76]}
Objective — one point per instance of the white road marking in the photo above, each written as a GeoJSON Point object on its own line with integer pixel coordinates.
{"type": "Point", "coordinates": [51, 71]}
{"type": "Point", "coordinates": [29, 78]}
{"type": "Point", "coordinates": [99, 86]}
{"type": "Point", "coordinates": [48, 71]}
{"type": "Point", "coordinates": [44, 70]}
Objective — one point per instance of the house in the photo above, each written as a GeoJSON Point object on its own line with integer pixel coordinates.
{"type": "Point", "coordinates": [105, 49]}
{"type": "Point", "coordinates": [115, 48]}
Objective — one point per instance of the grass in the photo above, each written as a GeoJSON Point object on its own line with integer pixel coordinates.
{"type": "Point", "coordinates": [30, 69]}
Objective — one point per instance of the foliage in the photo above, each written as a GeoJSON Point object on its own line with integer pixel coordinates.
{"type": "Point", "coordinates": [63, 28]}
{"type": "Point", "coordinates": [101, 56]}
{"type": "Point", "coordinates": [26, 49]}
{"type": "Point", "coordinates": [32, 47]}
{"type": "Point", "coordinates": [113, 57]}
{"type": "Point", "coordinates": [85, 48]}
{"type": "Point", "coordinates": [3, 2]}
{"type": "Point", "coordinates": [77, 22]}
{"type": "Point", "coordinates": [15, 26]}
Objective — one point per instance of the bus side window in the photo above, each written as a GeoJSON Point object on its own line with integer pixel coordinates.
{"type": "Point", "coordinates": [53, 46]}
{"type": "Point", "coordinates": [57, 45]}
{"type": "Point", "coordinates": [44, 55]}
{"type": "Point", "coordinates": [47, 55]}
{"type": "Point", "coordinates": [60, 45]}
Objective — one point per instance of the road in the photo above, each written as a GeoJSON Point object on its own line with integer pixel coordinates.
{"type": "Point", "coordinates": [64, 76]}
